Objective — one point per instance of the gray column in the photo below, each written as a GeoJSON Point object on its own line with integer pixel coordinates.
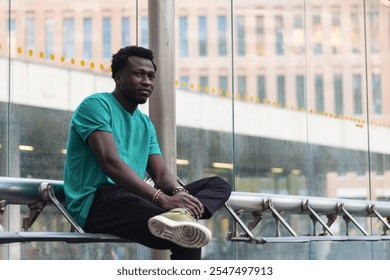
{"type": "Point", "coordinates": [162, 105]}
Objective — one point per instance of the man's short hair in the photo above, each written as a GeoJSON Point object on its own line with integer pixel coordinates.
{"type": "Point", "coordinates": [119, 60]}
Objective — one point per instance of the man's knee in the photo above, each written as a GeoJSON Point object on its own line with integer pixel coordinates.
{"type": "Point", "coordinates": [222, 185]}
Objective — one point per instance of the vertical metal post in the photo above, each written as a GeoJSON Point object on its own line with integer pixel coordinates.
{"type": "Point", "coordinates": [162, 104]}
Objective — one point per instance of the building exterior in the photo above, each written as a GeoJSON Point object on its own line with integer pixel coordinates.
{"type": "Point", "coordinates": [286, 97]}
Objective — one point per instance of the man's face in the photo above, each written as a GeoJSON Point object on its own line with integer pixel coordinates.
{"type": "Point", "coordinates": [135, 82]}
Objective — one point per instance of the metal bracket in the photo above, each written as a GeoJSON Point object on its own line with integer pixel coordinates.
{"type": "Point", "coordinates": [316, 218]}
{"type": "Point", "coordinates": [47, 194]}
{"type": "Point", "coordinates": [278, 218]}
{"type": "Point", "coordinates": [35, 210]}
{"type": "Point", "coordinates": [252, 238]}
{"type": "Point", "coordinates": [348, 217]}
{"type": "Point", "coordinates": [3, 204]}
{"type": "Point", "coordinates": [386, 225]}
{"type": "Point", "coordinates": [257, 217]}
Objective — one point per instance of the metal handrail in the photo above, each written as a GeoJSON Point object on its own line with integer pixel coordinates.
{"type": "Point", "coordinates": [26, 191]}
{"type": "Point", "coordinates": [315, 208]}
{"type": "Point", "coordinates": [296, 204]}
{"type": "Point", "coordinates": [37, 194]}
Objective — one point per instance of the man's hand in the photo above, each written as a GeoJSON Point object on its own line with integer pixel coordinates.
{"type": "Point", "coordinates": [182, 200]}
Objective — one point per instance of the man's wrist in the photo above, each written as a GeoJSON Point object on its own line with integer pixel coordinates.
{"type": "Point", "coordinates": [179, 189]}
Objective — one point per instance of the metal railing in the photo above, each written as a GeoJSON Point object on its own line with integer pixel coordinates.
{"type": "Point", "coordinates": [37, 194]}
{"type": "Point", "coordinates": [321, 211]}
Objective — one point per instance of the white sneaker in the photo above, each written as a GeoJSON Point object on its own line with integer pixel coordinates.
{"type": "Point", "coordinates": [179, 227]}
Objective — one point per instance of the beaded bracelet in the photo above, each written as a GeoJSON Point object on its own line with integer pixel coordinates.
{"type": "Point", "coordinates": [156, 196]}
{"type": "Point", "coordinates": [178, 189]}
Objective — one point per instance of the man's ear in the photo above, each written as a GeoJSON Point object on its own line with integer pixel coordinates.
{"type": "Point", "coordinates": [117, 78]}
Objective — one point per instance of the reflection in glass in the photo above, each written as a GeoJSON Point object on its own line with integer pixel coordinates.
{"type": "Point", "coordinates": [336, 33]}
{"type": "Point", "coordinates": [300, 90]}
{"type": "Point", "coordinates": [144, 32]}
{"type": "Point", "coordinates": [319, 92]}
{"type": "Point", "coordinates": [260, 35]}
{"type": "Point", "coordinates": [202, 36]}
{"type": "Point", "coordinates": [317, 32]}
{"type": "Point", "coordinates": [30, 33]}
{"type": "Point", "coordinates": [87, 39]}
{"type": "Point", "coordinates": [338, 94]}
{"type": "Point", "coordinates": [281, 86]}
{"type": "Point", "coordinates": [125, 31]}
{"type": "Point", "coordinates": [298, 34]}
{"type": "Point", "coordinates": [242, 124]}
{"type": "Point", "coordinates": [357, 94]}
{"type": "Point", "coordinates": [222, 33]}
{"type": "Point", "coordinates": [377, 93]}
{"type": "Point", "coordinates": [240, 23]}
{"type": "Point", "coordinates": [69, 38]}
{"type": "Point", "coordinates": [49, 35]}
{"type": "Point", "coordinates": [261, 93]}
{"type": "Point", "coordinates": [107, 52]}
{"type": "Point", "coordinates": [355, 30]}
{"type": "Point", "coordinates": [279, 34]}
{"type": "Point", "coordinates": [183, 36]}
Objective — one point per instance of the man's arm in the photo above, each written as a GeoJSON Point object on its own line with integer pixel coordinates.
{"type": "Point", "coordinates": [161, 175]}
{"type": "Point", "coordinates": [165, 180]}
{"type": "Point", "coordinates": [103, 145]}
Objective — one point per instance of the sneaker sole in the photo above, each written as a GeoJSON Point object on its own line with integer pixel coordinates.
{"type": "Point", "coordinates": [185, 234]}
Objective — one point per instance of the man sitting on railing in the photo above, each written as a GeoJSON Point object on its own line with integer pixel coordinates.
{"type": "Point", "coordinates": [110, 148]}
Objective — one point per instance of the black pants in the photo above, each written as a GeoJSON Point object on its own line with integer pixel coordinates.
{"type": "Point", "coordinates": [120, 212]}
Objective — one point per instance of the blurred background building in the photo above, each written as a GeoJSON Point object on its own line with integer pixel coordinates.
{"type": "Point", "coordinates": [285, 97]}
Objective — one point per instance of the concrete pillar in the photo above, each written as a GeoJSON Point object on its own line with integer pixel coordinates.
{"type": "Point", "coordinates": [162, 104]}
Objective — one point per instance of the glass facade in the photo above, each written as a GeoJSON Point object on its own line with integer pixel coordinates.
{"type": "Point", "coordinates": [280, 97]}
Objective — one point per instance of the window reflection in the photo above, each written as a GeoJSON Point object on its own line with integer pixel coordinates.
{"type": "Point", "coordinates": [377, 93]}
{"type": "Point", "coordinates": [30, 33]}
{"type": "Point", "coordinates": [107, 52]}
{"type": "Point", "coordinates": [281, 87]}
{"type": "Point", "coordinates": [261, 88]}
{"type": "Point", "coordinates": [338, 94]}
{"type": "Point", "coordinates": [279, 34]}
{"type": "Point", "coordinates": [267, 61]}
{"type": "Point", "coordinates": [222, 33]}
{"type": "Point", "coordinates": [49, 35]}
{"type": "Point", "coordinates": [87, 39]}
{"type": "Point", "coordinates": [300, 90]}
{"type": "Point", "coordinates": [319, 93]}
{"type": "Point", "coordinates": [202, 36]}
{"type": "Point", "coordinates": [336, 33]}
{"type": "Point", "coordinates": [144, 32]}
{"type": "Point", "coordinates": [125, 31]}
{"type": "Point", "coordinates": [355, 30]}
{"type": "Point", "coordinates": [260, 35]}
{"type": "Point", "coordinates": [317, 32]}
{"type": "Point", "coordinates": [240, 24]}
{"type": "Point", "coordinates": [357, 94]}
{"type": "Point", "coordinates": [183, 36]}
{"type": "Point", "coordinates": [69, 37]}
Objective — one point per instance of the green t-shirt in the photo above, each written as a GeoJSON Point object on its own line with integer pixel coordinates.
{"type": "Point", "coordinates": [135, 138]}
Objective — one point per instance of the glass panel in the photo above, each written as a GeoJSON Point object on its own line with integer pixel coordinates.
{"type": "Point", "coordinates": [50, 73]}
{"type": "Point", "coordinates": [378, 97]}
{"type": "Point", "coordinates": [203, 97]}
{"type": "Point", "coordinates": [280, 97]}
